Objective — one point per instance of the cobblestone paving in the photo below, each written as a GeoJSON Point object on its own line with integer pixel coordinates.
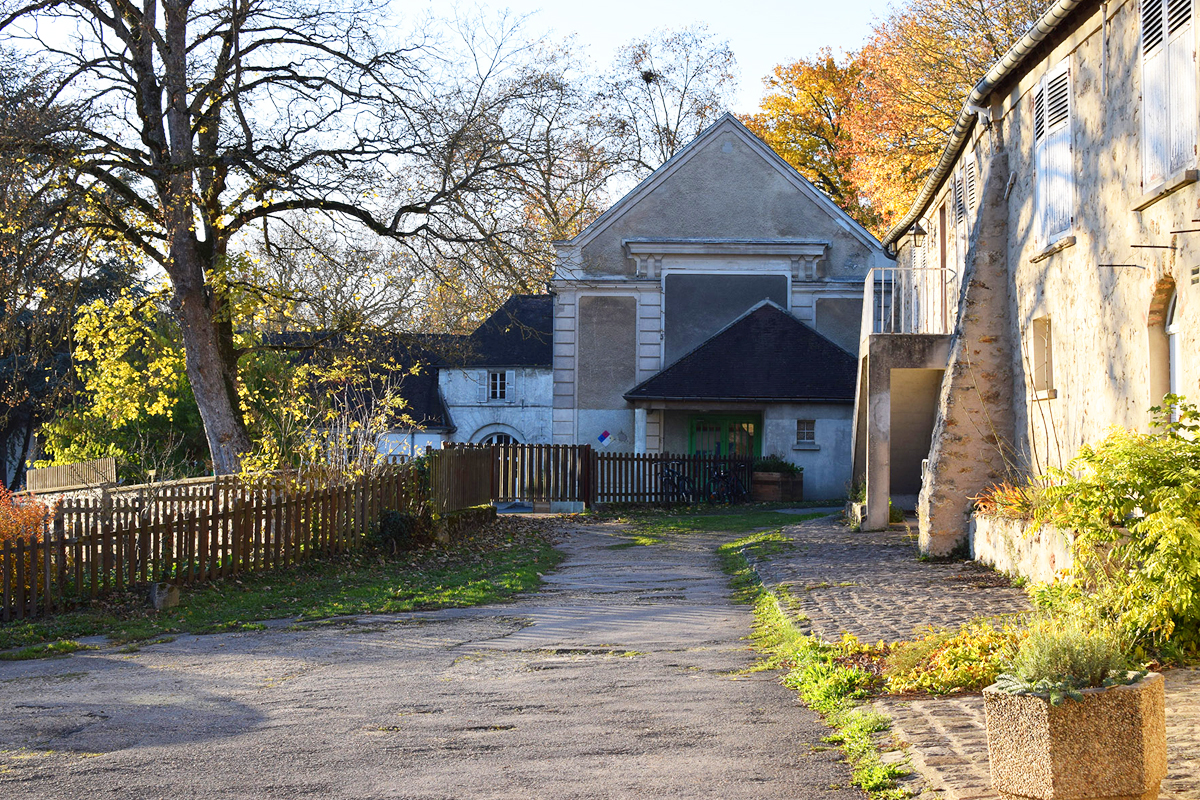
{"type": "Point", "coordinates": [872, 585]}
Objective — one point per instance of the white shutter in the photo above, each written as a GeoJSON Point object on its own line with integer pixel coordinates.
{"type": "Point", "coordinates": [510, 386]}
{"type": "Point", "coordinates": [483, 386]}
{"type": "Point", "coordinates": [1155, 94]}
{"type": "Point", "coordinates": [1181, 73]}
{"type": "Point", "coordinates": [1054, 166]}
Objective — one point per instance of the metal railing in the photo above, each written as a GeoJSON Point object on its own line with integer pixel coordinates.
{"type": "Point", "coordinates": [910, 300]}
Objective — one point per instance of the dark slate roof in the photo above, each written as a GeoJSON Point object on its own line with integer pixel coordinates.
{"type": "Point", "coordinates": [767, 354]}
{"type": "Point", "coordinates": [518, 334]}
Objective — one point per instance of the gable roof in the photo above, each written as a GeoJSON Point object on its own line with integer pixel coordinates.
{"type": "Point", "coordinates": [727, 123]}
{"type": "Point", "coordinates": [518, 334]}
{"type": "Point", "coordinates": [766, 354]}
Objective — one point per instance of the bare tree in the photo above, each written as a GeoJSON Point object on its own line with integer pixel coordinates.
{"type": "Point", "coordinates": [200, 121]}
{"type": "Point", "coordinates": [664, 89]}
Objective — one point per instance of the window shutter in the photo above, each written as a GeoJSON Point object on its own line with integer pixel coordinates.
{"type": "Point", "coordinates": [1181, 73]}
{"type": "Point", "coordinates": [1039, 162]}
{"type": "Point", "coordinates": [483, 386]}
{"type": "Point", "coordinates": [1155, 94]}
{"type": "Point", "coordinates": [1060, 169]}
{"type": "Point", "coordinates": [971, 187]}
{"type": "Point", "coordinates": [960, 202]}
{"type": "Point", "coordinates": [510, 386]}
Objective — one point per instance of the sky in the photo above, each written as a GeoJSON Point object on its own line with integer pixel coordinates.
{"type": "Point", "coordinates": [762, 33]}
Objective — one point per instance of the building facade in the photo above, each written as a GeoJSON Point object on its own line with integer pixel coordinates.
{"type": "Point", "coordinates": [1058, 237]}
{"type": "Point", "coordinates": [724, 226]}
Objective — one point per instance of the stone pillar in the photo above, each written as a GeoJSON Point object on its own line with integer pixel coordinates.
{"type": "Point", "coordinates": [639, 431]}
{"type": "Point", "coordinates": [973, 433]}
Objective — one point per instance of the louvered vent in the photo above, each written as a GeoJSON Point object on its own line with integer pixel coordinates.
{"type": "Point", "coordinates": [1039, 116]}
{"type": "Point", "coordinates": [1152, 26]}
{"type": "Point", "coordinates": [1179, 13]}
{"type": "Point", "coordinates": [971, 190]}
{"type": "Point", "coordinates": [1057, 101]}
{"type": "Point", "coordinates": [960, 206]}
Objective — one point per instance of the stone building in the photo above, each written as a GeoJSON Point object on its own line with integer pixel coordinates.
{"type": "Point", "coordinates": [493, 385]}
{"type": "Point", "coordinates": [1046, 283]}
{"type": "Point", "coordinates": [715, 308]}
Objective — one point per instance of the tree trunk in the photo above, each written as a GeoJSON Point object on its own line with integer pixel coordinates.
{"type": "Point", "coordinates": [211, 364]}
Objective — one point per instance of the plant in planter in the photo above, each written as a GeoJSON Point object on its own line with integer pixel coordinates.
{"type": "Point", "coordinates": [1069, 719]}
{"type": "Point", "coordinates": [776, 479]}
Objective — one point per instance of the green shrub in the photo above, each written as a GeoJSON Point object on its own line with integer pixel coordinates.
{"type": "Point", "coordinates": [1133, 501]}
{"type": "Point", "coordinates": [776, 464]}
{"type": "Point", "coordinates": [1059, 657]}
{"type": "Point", "coordinates": [398, 531]}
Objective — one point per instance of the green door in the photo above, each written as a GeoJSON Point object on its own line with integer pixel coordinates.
{"type": "Point", "coordinates": [725, 434]}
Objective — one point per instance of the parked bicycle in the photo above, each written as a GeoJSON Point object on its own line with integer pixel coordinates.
{"type": "Point", "coordinates": [721, 486]}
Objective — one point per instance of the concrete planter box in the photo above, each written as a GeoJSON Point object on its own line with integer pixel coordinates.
{"type": "Point", "coordinates": [777, 487]}
{"type": "Point", "coordinates": [1013, 547]}
{"type": "Point", "coordinates": [1112, 745]}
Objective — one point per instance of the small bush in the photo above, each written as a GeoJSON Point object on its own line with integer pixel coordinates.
{"type": "Point", "coordinates": [1059, 657]}
{"type": "Point", "coordinates": [1014, 501]}
{"type": "Point", "coordinates": [776, 464]}
{"type": "Point", "coordinates": [398, 531]}
{"type": "Point", "coordinates": [1133, 501]}
{"type": "Point", "coordinates": [943, 661]}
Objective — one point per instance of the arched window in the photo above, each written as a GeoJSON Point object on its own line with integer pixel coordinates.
{"type": "Point", "coordinates": [500, 438]}
{"type": "Point", "coordinates": [1171, 327]}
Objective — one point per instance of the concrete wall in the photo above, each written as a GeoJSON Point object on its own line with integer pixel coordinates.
{"type": "Point", "coordinates": [525, 414]}
{"type": "Point", "coordinates": [1015, 548]}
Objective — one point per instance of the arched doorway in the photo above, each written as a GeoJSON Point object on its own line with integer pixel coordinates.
{"type": "Point", "coordinates": [1164, 351]}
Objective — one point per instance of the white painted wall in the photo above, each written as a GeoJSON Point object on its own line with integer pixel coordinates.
{"type": "Point", "coordinates": [407, 443]}
{"type": "Point", "coordinates": [525, 414]}
{"type": "Point", "coordinates": [827, 466]}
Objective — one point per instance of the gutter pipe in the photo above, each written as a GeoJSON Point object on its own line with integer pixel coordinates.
{"type": "Point", "coordinates": [1011, 61]}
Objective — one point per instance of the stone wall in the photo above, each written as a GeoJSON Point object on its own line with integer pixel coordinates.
{"type": "Point", "coordinates": [1015, 547]}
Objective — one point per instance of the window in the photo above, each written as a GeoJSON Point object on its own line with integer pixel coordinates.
{"type": "Point", "coordinates": [1168, 90]}
{"type": "Point", "coordinates": [500, 438]}
{"type": "Point", "coordinates": [1043, 358]}
{"type": "Point", "coordinates": [497, 386]}
{"type": "Point", "coordinates": [806, 431]}
{"type": "Point", "coordinates": [1055, 188]}
{"type": "Point", "coordinates": [1173, 353]}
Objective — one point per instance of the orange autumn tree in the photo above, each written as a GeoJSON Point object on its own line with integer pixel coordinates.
{"type": "Point", "coordinates": [917, 68]}
{"type": "Point", "coordinates": [804, 116]}
{"type": "Point", "coordinates": [868, 127]}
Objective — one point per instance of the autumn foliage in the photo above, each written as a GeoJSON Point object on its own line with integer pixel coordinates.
{"type": "Point", "coordinates": [868, 126]}
{"type": "Point", "coordinates": [20, 517]}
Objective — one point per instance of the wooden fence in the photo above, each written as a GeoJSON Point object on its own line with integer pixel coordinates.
{"type": "Point", "coordinates": [670, 478]}
{"type": "Point", "coordinates": [459, 477]}
{"type": "Point", "coordinates": [91, 547]}
{"type": "Point", "coordinates": [85, 473]}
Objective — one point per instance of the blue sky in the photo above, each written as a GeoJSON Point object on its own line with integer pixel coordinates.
{"type": "Point", "coordinates": [762, 33]}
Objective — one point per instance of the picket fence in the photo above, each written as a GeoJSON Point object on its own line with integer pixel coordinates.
{"type": "Point", "coordinates": [198, 530]}
{"type": "Point", "coordinates": [94, 546]}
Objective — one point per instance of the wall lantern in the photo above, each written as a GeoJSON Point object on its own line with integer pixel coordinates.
{"type": "Point", "coordinates": [918, 234]}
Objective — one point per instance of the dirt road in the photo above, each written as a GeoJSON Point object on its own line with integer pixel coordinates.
{"type": "Point", "coordinates": [618, 679]}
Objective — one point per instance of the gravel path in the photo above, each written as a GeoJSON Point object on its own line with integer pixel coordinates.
{"type": "Point", "coordinates": [618, 679]}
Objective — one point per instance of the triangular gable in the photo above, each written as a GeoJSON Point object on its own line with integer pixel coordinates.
{"type": "Point", "coordinates": [764, 355]}
{"type": "Point", "coordinates": [731, 124]}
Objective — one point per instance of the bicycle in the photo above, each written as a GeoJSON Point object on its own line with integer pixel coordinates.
{"type": "Point", "coordinates": [676, 486]}
{"type": "Point", "coordinates": [724, 487]}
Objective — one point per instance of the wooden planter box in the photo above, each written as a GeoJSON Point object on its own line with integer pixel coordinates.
{"type": "Point", "coordinates": [1112, 745]}
{"type": "Point", "coordinates": [777, 487]}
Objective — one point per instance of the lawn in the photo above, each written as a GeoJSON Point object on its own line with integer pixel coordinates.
{"type": "Point", "coordinates": [506, 558]}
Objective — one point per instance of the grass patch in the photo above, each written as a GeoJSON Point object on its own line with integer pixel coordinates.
{"type": "Point", "coordinates": [704, 519]}
{"type": "Point", "coordinates": [48, 650]}
{"type": "Point", "coordinates": [489, 569]}
{"type": "Point", "coordinates": [815, 670]}
{"type": "Point", "coordinates": [734, 562]}
{"type": "Point", "coordinates": [636, 540]}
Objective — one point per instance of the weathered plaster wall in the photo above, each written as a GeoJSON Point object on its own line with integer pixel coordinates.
{"type": "Point", "coordinates": [725, 190]}
{"type": "Point", "coordinates": [524, 414]}
{"type": "Point", "coordinates": [1015, 548]}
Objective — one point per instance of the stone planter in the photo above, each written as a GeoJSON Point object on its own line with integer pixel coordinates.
{"type": "Point", "coordinates": [777, 487]}
{"type": "Point", "coordinates": [1112, 745]}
